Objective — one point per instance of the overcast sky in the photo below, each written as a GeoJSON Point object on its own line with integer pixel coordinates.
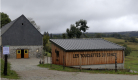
{"type": "Point", "coordinates": [55, 16]}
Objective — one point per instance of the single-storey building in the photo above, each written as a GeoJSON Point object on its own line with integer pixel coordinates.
{"type": "Point", "coordinates": [95, 53]}
{"type": "Point", "coordinates": [23, 39]}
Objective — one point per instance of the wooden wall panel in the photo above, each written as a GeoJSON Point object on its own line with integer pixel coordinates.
{"type": "Point", "coordinates": [54, 56]}
{"type": "Point", "coordinates": [97, 59]}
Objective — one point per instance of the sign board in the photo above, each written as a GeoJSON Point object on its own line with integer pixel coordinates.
{"type": "Point", "coordinates": [6, 50]}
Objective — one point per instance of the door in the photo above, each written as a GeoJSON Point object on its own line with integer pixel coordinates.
{"type": "Point", "coordinates": [18, 54]}
{"type": "Point", "coordinates": [26, 53]}
{"type": "Point", "coordinates": [22, 53]}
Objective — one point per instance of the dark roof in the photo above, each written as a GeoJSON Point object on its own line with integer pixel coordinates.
{"type": "Point", "coordinates": [21, 32]}
{"type": "Point", "coordinates": [7, 26]}
{"type": "Point", "coordinates": [86, 44]}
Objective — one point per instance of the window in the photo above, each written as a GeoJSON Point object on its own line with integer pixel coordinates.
{"type": "Point", "coordinates": [26, 51]}
{"type": "Point", "coordinates": [57, 53]}
{"type": "Point", "coordinates": [18, 51]}
{"type": "Point", "coordinates": [22, 23]}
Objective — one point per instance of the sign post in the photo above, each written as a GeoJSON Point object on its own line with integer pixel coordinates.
{"type": "Point", "coordinates": [5, 52]}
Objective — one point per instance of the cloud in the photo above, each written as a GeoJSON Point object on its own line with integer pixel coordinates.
{"type": "Point", "coordinates": [55, 16]}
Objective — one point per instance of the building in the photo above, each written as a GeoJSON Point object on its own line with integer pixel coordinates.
{"type": "Point", "coordinates": [95, 53]}
{"type": "Point", "coordinates": [23, 39]}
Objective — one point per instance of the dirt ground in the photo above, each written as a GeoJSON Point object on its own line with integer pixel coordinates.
{"type": "Point", "coordinates": [28, 70]}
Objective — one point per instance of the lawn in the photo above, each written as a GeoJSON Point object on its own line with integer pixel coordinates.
{"type": "Point", "coordinates": [10, 73]}
{"type": "Point", "coordinates": [131, 61]}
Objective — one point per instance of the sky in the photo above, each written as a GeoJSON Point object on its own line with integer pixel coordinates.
{"type": "Point", "coordinates": [55, 16]}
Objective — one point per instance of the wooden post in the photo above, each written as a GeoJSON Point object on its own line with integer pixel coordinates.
{"type": "Point", "coordinates": [5, 65]}
{"type": "Point", "coordinates": [116, 62]}
{"type": "Point", "coordinates": [123, 58]}
{"type": "Point", "coordinates": [80, 62]}
{"type": "Point", "coordinates": [63, 61]}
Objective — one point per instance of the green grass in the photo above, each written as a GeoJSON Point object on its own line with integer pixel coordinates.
{"type": "Point", "coordinates": [131, 61]}
{"type": "Point", "coordinates": [68, 69]}
{"type": "Point", "coordinates": [49, 54]}
{"type": "Point", "coordinates": [10, 73]}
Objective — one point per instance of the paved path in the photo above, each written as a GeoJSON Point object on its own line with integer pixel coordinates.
{"type": "Point", "coordinates": [27, 69]}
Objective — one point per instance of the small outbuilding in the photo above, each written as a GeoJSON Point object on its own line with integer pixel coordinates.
{"type": "Point", "coordinates": [23, 39]}
{"type": "Point", "coordinates": [95, 53]}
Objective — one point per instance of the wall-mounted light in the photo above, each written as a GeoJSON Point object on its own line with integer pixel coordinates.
{"type": "Point", "coordinates": [37, 50]}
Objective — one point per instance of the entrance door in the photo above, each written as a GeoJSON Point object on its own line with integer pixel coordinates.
{"type": "Point", "coordinates": [18, 54]}
{"type": "Point", "coordinates": [26, 53]}
{"type": "Point", "coordinates": [22, 53]}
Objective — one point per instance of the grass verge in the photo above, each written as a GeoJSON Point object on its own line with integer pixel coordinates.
{"type": "Point", "coordinates": [131, 61]}
{"type": "Point", "coordinates": [68, 69]}
{"type": "Point", "coordinates": [10, 73]}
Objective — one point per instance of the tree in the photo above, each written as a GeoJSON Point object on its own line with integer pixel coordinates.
{"type": "Point", "coordinates": [64, 36]}
{"type": "Point", "coordinates": [45, 41]}
{"type": "Point", "coordinates": [34, 24]}
{"type": "Point", "coordinates": [133, 39]}
{"type": "Point", "coordinates": [127, 50]}
{"type": "Point", "coordinates": [76, 30]}
{"type": "Point", "coordinates": [4, 19]}
{"type": "Point", "coordinates": [83, 25]}
{"type": "Point", "coordinates": [51, 36]}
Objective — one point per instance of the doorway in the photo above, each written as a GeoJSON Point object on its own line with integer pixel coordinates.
{"type": "Point", "coordinates": [22, 53]}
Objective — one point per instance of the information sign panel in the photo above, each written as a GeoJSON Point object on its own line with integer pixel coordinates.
{"type": "Point", "coordinates": [6, 50]}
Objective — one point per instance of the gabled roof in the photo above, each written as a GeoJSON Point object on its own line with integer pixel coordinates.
{"type": "Point", "coordinates": [7, 26]}
{"type": "Point", "coordinates": [21, 32]}
{"type": "Point", "coordinates": [86, 44]}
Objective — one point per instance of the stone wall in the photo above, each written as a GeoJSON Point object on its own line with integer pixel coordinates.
{"type": "Point", "coordinates": [32, 50]}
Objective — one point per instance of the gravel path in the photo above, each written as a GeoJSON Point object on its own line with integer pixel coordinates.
{"type": "Point", "coordinates": [27, 69]}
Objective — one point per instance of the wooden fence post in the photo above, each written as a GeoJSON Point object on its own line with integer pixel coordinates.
{"type": "Point", "coordinates": [80, 63]}
{"type": "Point", "coordinates": [63, 61]}
{"type": "Point", "coordinates": [116, 62]}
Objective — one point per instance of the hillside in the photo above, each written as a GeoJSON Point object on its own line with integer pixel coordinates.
{"type": "Point", "coordinates": [127, 33]}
